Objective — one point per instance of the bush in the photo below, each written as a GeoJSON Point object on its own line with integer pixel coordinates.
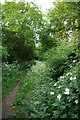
{"type": "Point", "coordinates": [5, 54]}
{"type": "Point", "coordinates": [41, 97]}
{"type": "Point", "coordinates": [12, 73]}
{"type": "Point", "coordinates": [56, 100]}
{"type": "Point", "coordinates": [58, 59]}
{"type": "Point", "coordinates": [35, 77]}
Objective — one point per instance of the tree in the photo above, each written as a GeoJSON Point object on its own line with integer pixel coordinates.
{"type": "Point", "coordinates": [64, 20]}
{"type": "Point", "coordinates": [20, 24]}
{"type": "Point", "coordinates": [47, 40]}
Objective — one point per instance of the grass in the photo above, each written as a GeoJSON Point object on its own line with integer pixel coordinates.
{"type": "Point", "coordinates": [11, 75]}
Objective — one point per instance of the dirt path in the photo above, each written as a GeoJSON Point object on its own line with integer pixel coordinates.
{"type": "Point", "coordinates": [9, 100]}
{"type": "Point", "coordinates": [0, 109]}
{"type": "Point", "coordinates": [7, 103]}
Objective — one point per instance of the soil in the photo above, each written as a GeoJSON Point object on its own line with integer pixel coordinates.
{"type": "Point", "coordinates": [9, 100]}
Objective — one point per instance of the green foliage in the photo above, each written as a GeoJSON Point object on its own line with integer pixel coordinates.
{"type": "Point", "coordinates": [41, 97]}
{"type": "Point", "coordinates": [35, 77]}
{"type": "Point", "coordinates": [20, 25]}
{"type": "Point", "coordinates": [59, 58]}
{"type": "Point", "coordinates": [12, 73]}
{"type": "Point", "coordinates": [63, 18]}
{"type": "Point", "coordinates": [5, 54]}
{"type": "Point", "coordinates": [0, 49]}
{"type": "Point", "coordinates": [51, 88]}
{"type": "Point", "coordinates": [61, 25]}
{"type": "Point", "coordinates": [47, 40]}
{"type": "Point", "coordinates": [39, 51]}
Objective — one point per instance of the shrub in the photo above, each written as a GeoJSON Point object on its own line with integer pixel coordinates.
{"type": "Point", "coordinates": [56, 100]}
{"type": "Point", "coordinates": [12, 73]}
{"type": "Point", "coordinates": [41, 97]}
{"type": "Point", "coordinates": [5, 54]}
{"type": "Point", "coordinates": [59, 59]}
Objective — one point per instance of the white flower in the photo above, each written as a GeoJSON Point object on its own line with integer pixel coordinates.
{"type": "Point", "coordinates": [71, 66]}
{"type": "Point", "coordinates": [6, 65]}
{"type": "Point", "coordinates": [52, 93]}
{"type": "Point", "coordinates": [67, 91]}
{"type": "Point", "coordinates": [76, 101]}
{"type": "Point", "coordinates": [61, 76]}
{"type": "Point", "coordinates": [59, 86]}
{"type": "Point", "coordinates": [20, 11]}
{"type": "Point", "coordinates": [79, 62]}
{"type": "Point", "coordinates": [13, 106]}
{"type": "Point", "coordinates": [67, 74]}
{"type": "Point", "coordinates": [74, 61]}
{"type": "Point", "coordinates": [75, 78]}
{"type": "Point", "coordinates": [71, 78]}
{"type": "Point", "coordinates": [59, 96]}
{"type": "Point", "coordinates": [55, 84]}
{"type": "Point", "coordinates": [7, 24]}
